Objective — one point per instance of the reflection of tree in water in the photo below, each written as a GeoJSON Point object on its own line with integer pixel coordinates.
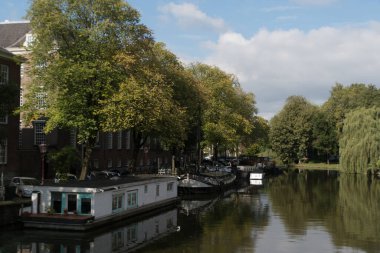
{"type": "Point", "coordinates": [304, 198]}
{"type": "Point", "coordinates": [356, 220]}
{"type": "Point", "coordinates": [226, 227]}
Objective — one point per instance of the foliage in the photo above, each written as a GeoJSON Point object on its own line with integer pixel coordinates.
{"type": "Point", "coordinates": [345, 99]}
{"type": "Point", "coordinates": [228, 112]}
{"type": "Point", "coordinates": [80, 56]}
{"type": "Point", "coordinates": [360, 141]}
{"type": "Point", "coordinates": [291, 130]}
{"type": "Point", "coordinates": [65, 160]}
{"type": "Point", "coordinates": [324, 135]}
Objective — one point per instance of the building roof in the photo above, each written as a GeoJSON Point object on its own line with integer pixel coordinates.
{"type": "Point", "coordinates": [5, 54]}
{"type": "Point", "coordinates": [13, 34]}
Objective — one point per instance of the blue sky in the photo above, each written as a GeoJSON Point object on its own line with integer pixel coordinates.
{"type": "Point", "coordinates": [275, 48]}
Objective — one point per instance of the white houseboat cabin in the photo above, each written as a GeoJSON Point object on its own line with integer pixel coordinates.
{"type": "Point", "coordinates": [80, 205]}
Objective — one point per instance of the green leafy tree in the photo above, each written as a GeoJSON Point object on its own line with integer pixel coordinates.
{"type": "Point", "coordinates": [360, 141]}
{"type": "Point", "coordinates": [291, 130]}
{"type": "Point", "coordinates": [65, 160]}
{"type": "Point", "coordinates": [80, 56]}
{"type": "Point", "coordinates": [344, 99]}
{"type": "Point", "coordinates": [146, 102]}
{"type": "Point", "coordinates": [228, 112]}
{"type": "Point", "coordinates": [324, 135]}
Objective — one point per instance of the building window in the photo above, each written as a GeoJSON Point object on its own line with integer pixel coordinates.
{"type": "Point", "coordinates": [109, 140]}
{"type": "Point", "coordinates": [119, 139]}
{"type": "Point", "coordinates": [39, 134]}
{"type": "Point", "coordinates": [157, 190]}
{"type": "Point", "coordinates": [119, 163]}
{"type": "Point", "coordinates": [109, 164]}
{"type": "Point", "coordinates": [41, 100]}
{"type": "Point", "coordinates": [3, 151]}
{"type": "Point", "coordinates": [117, 202]}
{"type": "Point", "coordinates": [3, 115]}
{"type": "Point", "coordinates": [4, 74]}
{"type": "Point", "coordinates": [128, 140]}
{"type": "Point", "coordinates": [132, 199]}
{"type": "Point", "coordinates": [73, 137]}
{"type": "Point", "coordinates": [169, 187]}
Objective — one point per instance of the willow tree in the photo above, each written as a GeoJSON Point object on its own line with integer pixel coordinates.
{"type": "Point", "coordinates": [79, 54]}
{"type": "Point", "coordinates": [359, 145]}
{"type": "Point", "coordinates": [228, 112]}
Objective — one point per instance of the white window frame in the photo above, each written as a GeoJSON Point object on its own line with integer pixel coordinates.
{"type": "Point", "coordinates": [39, 134]}
{"type": "Point", "coordinates": [117, 202]}
{"type": "Point", "coordinates": [132, 199]}
{"type": "Point", "coordinates": [4, 74]}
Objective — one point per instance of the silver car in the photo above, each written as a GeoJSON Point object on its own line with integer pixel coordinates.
{"type": "Point", "coordinates": [24, 185]}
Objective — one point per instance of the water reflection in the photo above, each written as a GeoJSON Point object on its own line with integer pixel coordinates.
{"type": "Point", "coordinates": [345, 206]}
{"type": "Point", "coordinates": [295, 212]}
{"type": "Point", "coordinates": [123, 238]}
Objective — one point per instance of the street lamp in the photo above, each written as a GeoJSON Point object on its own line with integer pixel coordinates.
{"type": "Point", "coordinates": [43, 151]}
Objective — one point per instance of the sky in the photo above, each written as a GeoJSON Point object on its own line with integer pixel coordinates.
{"type": "Point", "coordinates": [276, 48]}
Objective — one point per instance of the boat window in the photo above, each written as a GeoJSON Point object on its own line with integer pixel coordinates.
{"type": "Point", "coordinates": [56, 201]}
{"type": "Point", "coordinates": [157, 190]}
{"type": "Point", "coordinates": [71, 203]}
{"type": "Point", "coordinates": [170, 186]}
{"type": "Point", "coordinates": [132, 199]}
{"type": "Point", "coordinates": [85, 206]}
{"type": "Point", "coordinates": [117, 201]}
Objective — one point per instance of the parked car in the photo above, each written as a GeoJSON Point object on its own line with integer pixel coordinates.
{"type": "Point", "coordinates": [24, 185]}
{"type": "Point", "coordinates": [64, 177]}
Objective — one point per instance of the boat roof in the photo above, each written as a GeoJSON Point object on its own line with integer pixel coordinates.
{"type": "Point", "coordinates": [106, 183]}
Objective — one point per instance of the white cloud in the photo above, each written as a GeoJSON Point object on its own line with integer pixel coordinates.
{"type": "Point", "coordinates": [189, 16]}
{"type": "Point", "coordinates": [278, 64]}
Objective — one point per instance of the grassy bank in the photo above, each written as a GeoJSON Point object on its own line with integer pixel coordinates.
{"type": "Point", "coordinates": [316, 166]}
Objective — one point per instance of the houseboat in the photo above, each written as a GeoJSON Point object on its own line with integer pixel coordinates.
{"type": "Point", "coordinates": [205, 182]}
{"type": "Point", "coordinates": [83, 205]}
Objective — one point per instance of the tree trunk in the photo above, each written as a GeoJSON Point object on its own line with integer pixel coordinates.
{"type": "Point", "coordinates": [137, 144]}
{"type": "Point", "coordinates": [85, 162]}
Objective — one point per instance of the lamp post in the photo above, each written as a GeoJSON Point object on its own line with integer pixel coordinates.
{"type": "Point", "coordinates": [43, 151]}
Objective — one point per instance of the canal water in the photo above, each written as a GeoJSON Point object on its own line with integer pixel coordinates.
{"type": "Point", "coordinates": [312, 211]}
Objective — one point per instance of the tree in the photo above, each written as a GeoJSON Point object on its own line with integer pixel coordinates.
{"type": "Point", "coordinates": [291, 130]}
{"type": "Point", "coordinates": [151, 102]}
{"type": "Point", "coordinates": [324, 135]}
{"type": "Point", "coordinates": [65, 160]}
{"type": "Point", "coordinates": [80, 56]}
{"type": "Point", "coordinates": [228, 113]}
{"type": "Point", "coordinates": [258, 140]}
{"type": "Point", "coordinates": [360, 141]}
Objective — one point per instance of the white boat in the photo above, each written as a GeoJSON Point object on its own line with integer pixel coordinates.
{"type": "Point", "coordinates": [81, 205]}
